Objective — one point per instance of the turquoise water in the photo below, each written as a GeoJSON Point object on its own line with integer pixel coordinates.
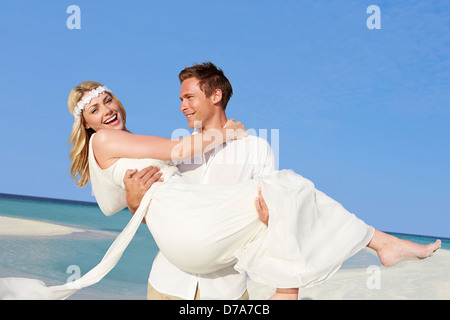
{"type": "Point", "coordinates": [48, 258]}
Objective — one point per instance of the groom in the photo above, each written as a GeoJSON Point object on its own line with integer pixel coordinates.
{"type": "Point", "coordinates": [204, 94]}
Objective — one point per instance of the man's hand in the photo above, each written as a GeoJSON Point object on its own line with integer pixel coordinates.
{"type": "Point", "coordinates": [137, 184]}
{"type": "Point", "coordinates": [261, 208]}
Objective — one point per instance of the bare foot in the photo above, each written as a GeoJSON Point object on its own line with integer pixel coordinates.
{"type": "Point", "coordinates": [391, 250]}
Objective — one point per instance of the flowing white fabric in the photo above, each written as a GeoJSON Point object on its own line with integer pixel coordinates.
{"type": "Point", "coordinates": [204, 228]}
{"type": "Point", "coordinates": [32, 289]}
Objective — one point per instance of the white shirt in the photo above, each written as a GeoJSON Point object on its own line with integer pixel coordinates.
{"type": "Point", "coordinates": [231, 163]}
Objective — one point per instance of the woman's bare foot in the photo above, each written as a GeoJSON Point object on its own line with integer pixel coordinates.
{"type": "Point", "coordinates": [391, 250]}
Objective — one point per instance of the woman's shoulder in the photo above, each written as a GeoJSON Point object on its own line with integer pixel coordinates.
{"type": "Point", "coordinates": [98, 139]}
{"type": "Point", "coordinates": [105, 137]}
{"type": "Point", "coordinates": [106, 145]}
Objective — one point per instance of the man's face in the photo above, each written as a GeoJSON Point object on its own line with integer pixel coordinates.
{"type": "Point", "coordinates": [197, 108]}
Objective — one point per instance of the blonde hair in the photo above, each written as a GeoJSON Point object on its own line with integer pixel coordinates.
{"type": "Point", "coordinates": [80, 136]}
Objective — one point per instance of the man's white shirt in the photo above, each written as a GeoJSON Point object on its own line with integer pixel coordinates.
{"type": "Point", "coordinates": [233, 162]}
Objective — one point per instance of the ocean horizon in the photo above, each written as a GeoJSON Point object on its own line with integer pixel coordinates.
{"type": "Point", "coordinates": [54, 259]}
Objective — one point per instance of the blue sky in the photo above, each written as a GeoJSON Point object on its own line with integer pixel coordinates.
{"type": "Point", "coordinates": [362, 113]}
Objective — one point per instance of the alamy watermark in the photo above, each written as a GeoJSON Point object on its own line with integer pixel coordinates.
{"type": "Point", "coordinates": [238, 153]}
{"type": "Point", "coordinates": [75, 275]}
{"type": "Point", "coordinates": [74, 20]}
{"type": "Point", "coordinates": [374, 21]}
{"type": "Point", "coordinates": [374, 280]}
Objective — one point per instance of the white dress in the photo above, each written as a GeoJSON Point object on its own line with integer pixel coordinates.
{"type": "Point", "coordinates": [204, 228]}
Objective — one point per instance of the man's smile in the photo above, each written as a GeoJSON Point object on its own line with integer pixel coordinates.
{"type": "Point", "coordinates": [189, 115]}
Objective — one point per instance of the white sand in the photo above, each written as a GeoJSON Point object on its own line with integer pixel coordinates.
{"type": "Point", "coordinates": [31, 228]}
{"type": "Point", "coordinates": [426, 279]}
{"type": "Point", "coordinates": [423, 280]}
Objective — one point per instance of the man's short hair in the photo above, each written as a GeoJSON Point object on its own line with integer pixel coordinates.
{"type": "Point", "coordinates": [211, 78]}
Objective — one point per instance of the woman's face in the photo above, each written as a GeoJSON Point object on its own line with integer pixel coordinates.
{"type": "Point", "coordinates": [103, 112]}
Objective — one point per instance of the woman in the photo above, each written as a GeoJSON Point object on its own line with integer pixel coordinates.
{"type": "Point", "coordinates": [203, 228]}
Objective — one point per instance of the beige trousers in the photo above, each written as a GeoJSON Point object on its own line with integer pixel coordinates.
{"type": "Point", "coordinates": [153, 294]}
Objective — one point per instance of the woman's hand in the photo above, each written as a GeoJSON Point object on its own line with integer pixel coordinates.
{"type": "Point", "coordinates": [235, 129]}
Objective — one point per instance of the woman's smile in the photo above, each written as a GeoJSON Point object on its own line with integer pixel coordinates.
{"type": "Point", "coordinates": [112, 121]}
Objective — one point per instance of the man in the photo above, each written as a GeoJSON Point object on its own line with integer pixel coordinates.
{"type": "Point", "coordinates": [205, 92]}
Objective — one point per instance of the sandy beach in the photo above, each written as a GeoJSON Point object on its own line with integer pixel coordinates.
{"type": "Point", "coordinates": [20, 227]}
{"type": "Point", "coordinates": [31, 228]}
{"type": "Point", "coordinates": [427, 279]}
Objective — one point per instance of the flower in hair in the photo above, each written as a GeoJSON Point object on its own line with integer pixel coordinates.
{"type": "Point", "coordinates": [87, 99]}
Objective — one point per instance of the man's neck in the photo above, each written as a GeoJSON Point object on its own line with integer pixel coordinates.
{"type": "Point", "coordinates": [217, 123]}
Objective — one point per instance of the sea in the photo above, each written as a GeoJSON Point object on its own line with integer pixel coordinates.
{"type": "Point", "coordinates": [57, 259]}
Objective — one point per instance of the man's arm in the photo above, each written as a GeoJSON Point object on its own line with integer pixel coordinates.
{"type": "Point", "coordinates": [137, 183]}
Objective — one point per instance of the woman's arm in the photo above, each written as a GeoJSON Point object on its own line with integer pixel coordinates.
{"type": "Point", "coordinates": [110, 145]}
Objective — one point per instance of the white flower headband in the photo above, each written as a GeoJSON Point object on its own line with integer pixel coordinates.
{"type": "Point", "coordinates": [87, 99]}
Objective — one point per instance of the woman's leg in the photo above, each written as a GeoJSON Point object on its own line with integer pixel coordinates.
{"type": "Point", "coordinates": [392, 250]}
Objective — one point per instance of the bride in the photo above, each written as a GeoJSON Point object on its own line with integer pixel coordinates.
{"type": "Point", "coordinates": [204, 228]}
